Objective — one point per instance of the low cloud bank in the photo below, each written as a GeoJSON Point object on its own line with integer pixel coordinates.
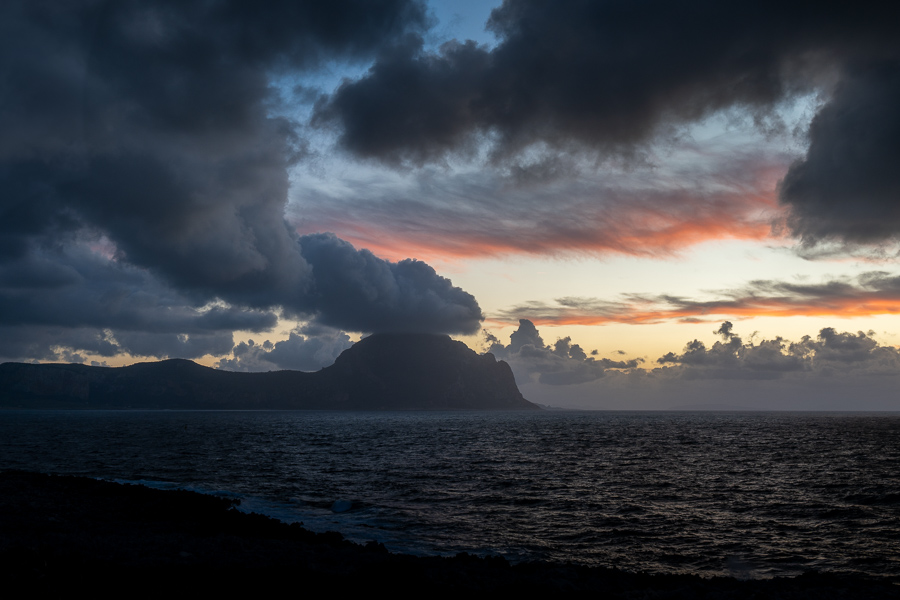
{"type": "Point", "coordinates": [830, 353]}
{"type": "Point", "coordinates": [563, 363]}
{"type": "Point", "coordinates": [832, 371]}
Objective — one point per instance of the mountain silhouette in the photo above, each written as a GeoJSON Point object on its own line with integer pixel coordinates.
{"type": "Point", "coordinates": [380, 372]}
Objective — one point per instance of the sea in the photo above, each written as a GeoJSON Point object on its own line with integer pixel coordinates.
{"type": "Point", "coordinates": [749, 495]}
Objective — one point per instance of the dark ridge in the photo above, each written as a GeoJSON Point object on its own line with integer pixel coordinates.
{"type": "Point", "coordinates": [380, 372]}
{"type": "Point", "coordinates": [60, 535]}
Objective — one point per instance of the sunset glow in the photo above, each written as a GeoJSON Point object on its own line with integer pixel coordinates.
{"type": "Point", "coordinates": [265, 189]}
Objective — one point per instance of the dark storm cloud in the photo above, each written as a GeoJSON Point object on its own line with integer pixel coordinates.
{"type": "Point", "coordinates": [356, 290]}
{"type": "Point", "coordinates": [76, 288]}
{"type": "Point", "coordinates": [563, 363]}
{"type": "Point", "coordinates": [848, 185]}
{"type": "Point", "coordinates": [69, 297]}
{"type": "Point", "coordinates": [58, 343]}
{"type": "Point", "coordinates": [607, 75]}
{"type": "Point", "coordinates": [148, 124]}
{"type": "Point", "coordinates": [159, 345]}
{"type": "Point", "coordinates": [610, 77]}
{"type": "Point", "coordinates": [52, 343]}
{"type": "Point", "coordinates": [148, 120]}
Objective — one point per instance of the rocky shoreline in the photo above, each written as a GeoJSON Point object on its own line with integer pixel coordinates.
{"type": "Point", "coordinates": [60, 534]}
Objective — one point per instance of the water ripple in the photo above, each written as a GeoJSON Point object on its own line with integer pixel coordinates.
{"type": "Point", "coordinates": [749, 495]}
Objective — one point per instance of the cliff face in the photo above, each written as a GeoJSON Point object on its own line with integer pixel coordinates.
{"type": "Point", "coordinates": [381, 372]}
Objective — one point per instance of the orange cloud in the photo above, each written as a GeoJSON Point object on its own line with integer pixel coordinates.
{"type": "Point", "coordinates": [657, 226]}
{"type": "Point", "coordinates": [645, 215]}
{"type": "Point", "coordinates": [870, 294]}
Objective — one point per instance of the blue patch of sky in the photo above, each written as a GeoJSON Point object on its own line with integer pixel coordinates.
{"type": "Point", "coordinates": [461, 20]}
{"type": "Point", "coordinates": [458, 20]}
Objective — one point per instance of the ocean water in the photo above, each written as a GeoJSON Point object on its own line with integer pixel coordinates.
{"type": "Point", "coordinates": [751, 495]}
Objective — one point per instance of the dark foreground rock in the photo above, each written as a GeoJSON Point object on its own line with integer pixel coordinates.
{"type": "Point", "coordinates": [380, 372]}
{"type": "Point", "coordinates": [60, 535]}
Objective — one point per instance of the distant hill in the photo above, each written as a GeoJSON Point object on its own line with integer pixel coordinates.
{"type": "Point", "coordinates": [380, 372]}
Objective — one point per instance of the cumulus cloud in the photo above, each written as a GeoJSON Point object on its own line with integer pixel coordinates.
{"type": "Point", "coordinates": [563, 363]}
{"type": "Point", "coordinates": [356, 290]}
{"type": "Point", "coordinates": [150, 127]}
{"type": "Point", "coordinates": [308, 348]}
{"type": "Point", "coordinates": [731, 358]}
{"type": "Point", "coordinates": [831, 371]}
{"type": "Point", "coordinates": [830, 353]}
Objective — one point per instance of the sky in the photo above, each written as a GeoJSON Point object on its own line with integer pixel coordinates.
{"type": "Point", "coordinates": [638, 205]}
